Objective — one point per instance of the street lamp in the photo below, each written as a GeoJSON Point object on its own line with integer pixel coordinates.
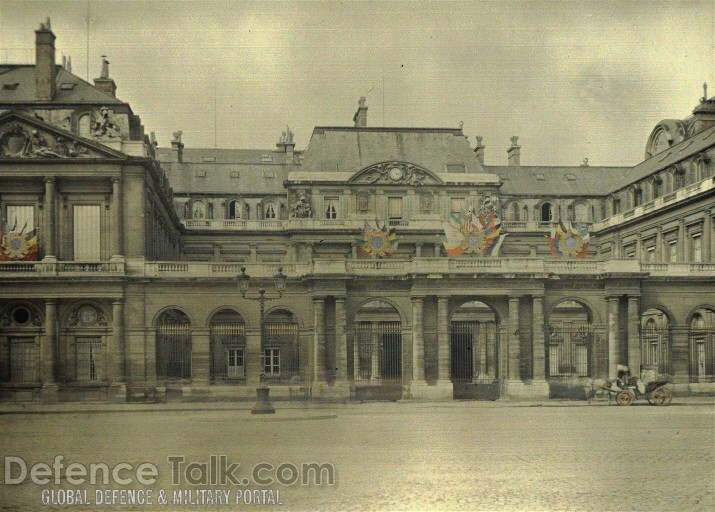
{"type": "Point", "coordinates": [263, 404]}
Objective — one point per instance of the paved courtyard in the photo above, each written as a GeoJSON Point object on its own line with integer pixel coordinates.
{"type": "Point", "coordinates": [402, 456]}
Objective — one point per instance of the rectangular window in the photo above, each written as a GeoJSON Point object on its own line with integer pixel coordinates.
{"type": "Point", "coordinates": [331, 207]}
{"type": "Point", "coordinates": [394, 207]}
{"type": "Point", "coordinates": [272, 362]}
{"type": "Point", "coordinates": [87, 232]}
{"type": "Point", "coordinates": [673, 252]}
{"type": "Point", "coordinates": [235, 175]}
{"type": "Point", "coordinates": [457, 205]}
{"type": "Point", "coordinates": [90, 365]}
{"type": "Point", "coordinates": [616, 206]}
{"type": "Point", "coordinates": [696, 249]}
{"type": "Point", "coordinates": [20, 218]}
{"type": "Point", "coordinates": [23, 360]}
{"type": "Point", "coordinates": [235, 365]}
{"type": "Point", "coordinates": [363, 202]}
{"type": "Point", "coordinates": [650, 254]}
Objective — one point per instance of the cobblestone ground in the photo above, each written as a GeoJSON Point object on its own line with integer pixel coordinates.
{"type": "Point", "coordinates": [404, 456]}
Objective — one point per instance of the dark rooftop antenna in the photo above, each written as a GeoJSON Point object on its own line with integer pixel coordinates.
{"type": "Point", "coordinates": [705, 91]}
{"type": "Point", "coordinates": [87, 21]}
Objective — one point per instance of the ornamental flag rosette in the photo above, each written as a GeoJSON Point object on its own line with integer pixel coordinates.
{"type": "Point", "coordinates": [377, 241]}
{"type": "Point", "coordinates": [475, 234]}
{"type": "Point", "coordinates": [569, 240]}
{"type": "Point", "coordinates": [18, 245]}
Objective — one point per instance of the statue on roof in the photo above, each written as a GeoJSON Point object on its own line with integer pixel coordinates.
{"type": "Point", "coordinates": [514, 141]}
{"type": "Point", "coordinates": [302, 208]}
{"type": "Point", "coordinates": [177, 136]}
{"type": "Point", "coordinates": [46, 25]}
{"type": "Point", "coordinates": [104, 125]}
{"type": "Point", "coordinates": [105, 67]}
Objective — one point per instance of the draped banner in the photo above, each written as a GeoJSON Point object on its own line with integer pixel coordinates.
{"type": "Point", "coordinates": [471, 233]}
{"type": "Point", "coordinates": [377, 241]}
{"type": "Point", "coordinates": [569, 240]}
{"type": "Point", "coordinates": [18, 245]}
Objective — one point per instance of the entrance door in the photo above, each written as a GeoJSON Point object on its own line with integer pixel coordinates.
{"type": "Point", "coordinates": [391, 361]}
{"type": "Point", "coordinates": [462, 351]}
{"type": "Point", "coordinates": [234, 363]}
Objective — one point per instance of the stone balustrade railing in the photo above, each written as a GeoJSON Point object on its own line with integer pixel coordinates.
{"type": "Point", "coordinates": [353, 267]}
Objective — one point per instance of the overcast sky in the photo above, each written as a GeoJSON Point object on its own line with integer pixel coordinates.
{"type": "Point", "coordinates": [571, 79]}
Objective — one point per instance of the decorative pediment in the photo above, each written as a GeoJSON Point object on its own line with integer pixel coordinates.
{"type": "Point", "coordinates": [395, 173]}
{"type": "Point", "coordinates": [27, 138]}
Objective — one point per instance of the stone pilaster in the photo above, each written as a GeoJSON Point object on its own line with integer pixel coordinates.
{"type": "Point", "coordinates": [374, 355]}
{"type": "Point", "coordinates": [318, 339]}
{"type": "Point", "coordinates": [707, 236]}
{"type": "Point", "coordinates": [537, 339]}
{"type": "Point", "coordinates": [49, 236]}
{"type": "Point", "coordinates": [49, 345]}
{"type": "Point", "coordinates": [681, 241]}
{"type": "Point", "coordinates": [443, 339]}
{"type": "Point", "coordinates": [341, 340]}
{"type": "Point", "coordinates": [117, 227]}
{"type": "Point", "coordinates": [418, 342]}
{"type": "Point", "coordinates": [513, 341]}
{"type": "Point", "coordinates": [634, 345]}
{"type": "Point", "coordinates": [200, 350]}
{"type": "Point", "coordinates": [116, 349]}
{"type": "Point", "coordinates": [613, 342]}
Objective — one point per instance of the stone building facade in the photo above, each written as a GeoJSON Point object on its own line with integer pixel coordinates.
{"type": "Point", "coordinates": [394, 262]}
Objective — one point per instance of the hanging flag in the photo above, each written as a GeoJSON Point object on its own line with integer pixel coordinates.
{"type": "Point", "coordinates": [569, 240]}
{"type": "Point", "coordinates": [18, 245]}
{"type": "Point", "coordinates": [471, 233]}
{"type": "Point", "coordinates": [377, 241]}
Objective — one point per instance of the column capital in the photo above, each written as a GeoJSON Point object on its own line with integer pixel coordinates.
{"type": "Point", "coordinates": [49, 179]}
{"type": "Point", "coordinates": [443, 298]}
{"type": "Point", "coordinates": [50, 302]}
{"type": "Point", "coordinates": [320, 298]}
{"type": "Point", "coordinates": [417, 298]}
{"type": "Point", "coordinates": [339, 298]}
{"type": "Point", "coordinates": [612, 298]}
{"type": "Point", "coordinates": [514, 298]}
{"type": "Point", "coordinates": [117, 302]}
{"type": "Point", "coordinates": [537, 296]}
{"type": "Point", "coordinates": [115, 179]}
{"type": "Point", "coordinates": [634, 298]}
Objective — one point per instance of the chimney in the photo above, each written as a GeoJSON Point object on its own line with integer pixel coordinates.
{"type": "Point", "coordinates": [479, 149]}
{"type": "Point", "coordinates": [178, 147]}
{"type": "Point", "coordinates": [45, 69]}
{"type": "Point", "coordinates": [104, 83]}
{"type": "Point", "coordinates": [286, 143]}
{"type": "Point", "coordinates": [704, 113]}
{"type": "Point", "coordinates": [360, 117]}
{"type": "Point", "coordinates": [514, 152]}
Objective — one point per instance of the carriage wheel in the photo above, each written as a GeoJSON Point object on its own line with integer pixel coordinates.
{"type": "Point", "coordinates": [660, 396]}
{"type": "Point", "coordinates": [624, 397]}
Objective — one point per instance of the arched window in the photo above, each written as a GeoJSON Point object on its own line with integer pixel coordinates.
{"type": "Point", "coordinates": [269, 211]}
{"type": "Point", "coordinates": [234, 210]}
{"type": "Point", "coordinates": [524, 213]}
{"type": "Point", "coordinates": [657, 188]}
{"type": "Point", "coordinates": [198, 210]}
{"type": "Point", "coordinates": [515, 211]}
{"type": "Point", "coordinates": [637, 196]}
{"type": "Point", "coordinates": [246, 211]}
{"type": "Point", "coordinates": [678, 178]}
{"type": "Point", "coordinates": [210, 211]}
{"type": "Point", "coordinates": [570, 344]}
{"type": "Point", "coordinates": [173, 345]}
{"type": "Point", "coordinates": [546, 212]}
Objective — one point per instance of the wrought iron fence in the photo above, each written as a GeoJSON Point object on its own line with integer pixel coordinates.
{"type": "Point", "coordinates": [379, 346]}
{"type": "Point", "coordinates": [173, 350]}
{"type": "Point", "coordinates": [656, 349]}
{"type": "Point", "coordinates": [702, 354]}
{"type": "Point", "coordinates": [281, 353]}
{"type": "Point", "coordinates": [228, 346]}
{"type": "Point", "coordinates": [474, 351]}
{"type": "Point", "coordinates": [571, 350]}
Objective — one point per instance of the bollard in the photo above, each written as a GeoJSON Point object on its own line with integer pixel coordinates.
{"type": "Point", "coordinates": [263, 401]}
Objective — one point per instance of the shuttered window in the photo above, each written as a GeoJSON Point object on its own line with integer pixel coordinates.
{"type": "Point", "coordinates": [20, 218]}
{"type": "Point", "coordinates": [86, 232]}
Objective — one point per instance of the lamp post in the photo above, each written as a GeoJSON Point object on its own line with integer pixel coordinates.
{"type": "Point", "coordinates": [263, 404]}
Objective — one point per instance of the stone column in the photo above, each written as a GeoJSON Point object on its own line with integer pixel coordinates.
{"type": "Point", "coordinates": [341, 340]}
{"type": "Point", "coordinates": [681, 241]}
{"type": "Point", "coordinates": [443, 339]}
{"type": "Point", "coordinates": [634, 344]}
{"type": "Point", "coordinates": [418, 250]}
{"type": "Point", "coordinates": [116, 349]}
{"type": "Point", "coordinates": [513, 342]}
{"type": "Point", "coordinates": [49, 345]}
{"type": "Point", "coordinates": [200, 354]}
{"type": "Point", "coordinates": [613, 345]}
{"type": "Point", "coordinates": [117, 227]}
{"type": "Point", "coordinates": [418, 342]}
{"type": "Point", "coordinates": [254, 356]}
{"type": "Point", "coordinates": [478, 367]}
{"type": "Point", "coordinates": [707, 236]}
{"type": "Point", "coordinates": [537, 339]}
{"type": "Point", "coordinates": [318, 339]}
{"type": "Point", "coordinates": [639, 247]}
{"type": "Point", "coordinates": [49, 218]}
{"type": "Point", "coordinates": [374, 354]}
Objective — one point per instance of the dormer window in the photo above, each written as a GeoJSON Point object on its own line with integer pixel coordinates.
{"type": "Point", "coordinates": [10, 87]}
{"type": "Point", "coordinates": [456, 168]}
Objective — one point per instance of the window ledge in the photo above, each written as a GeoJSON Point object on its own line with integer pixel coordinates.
{"type": "Point", "coordinates": [90, 385]}
{"type": "Point", "coordinates": [20, 385]}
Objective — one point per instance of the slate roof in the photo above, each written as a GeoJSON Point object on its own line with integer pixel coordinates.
{"type": "Point", "coordinates": [349, 149]}
{"type": "Point", "coordinates": [24, 76]}
{"type": "Point", "coordinates": [256, 175]}
{"type": "Point", "coordinates": [557, 180]}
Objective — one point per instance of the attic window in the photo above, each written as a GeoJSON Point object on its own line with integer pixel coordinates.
{"type": "Point", "coordinates": [570, 177]}
{"type": "Point", "coordinates": [200, 174]}
{"type": "Point", "coordinates": [455, 168]}
{"type": "Point", "coordinates": [67, 86]}
{"type": "Point", "coordinates": [235, 174]}
{"type": "Point", "coordinates": [10, 87]}
{"type": "Point", "coordinates": [269, 174]}
{"type": "Point", "coordinates": [208, 159]}
{"type": "Point", "coordinates": [265, 157]}
{"type": "Point", "coordinates": [540, 176]}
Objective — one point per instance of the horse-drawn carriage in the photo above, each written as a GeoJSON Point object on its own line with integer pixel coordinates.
{"type": "Point", "coordinates": [627, 389]}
